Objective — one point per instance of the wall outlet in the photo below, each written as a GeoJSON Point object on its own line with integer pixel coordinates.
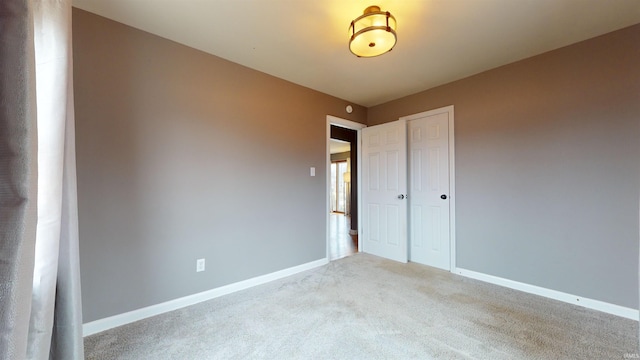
{"type": "Point", "coordinates": [199, 265]}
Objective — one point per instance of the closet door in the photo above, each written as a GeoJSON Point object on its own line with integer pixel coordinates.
{"type": "Point", "coordinates": [384, 190]}
{"type": "Point", "coordinates": [429, 196]}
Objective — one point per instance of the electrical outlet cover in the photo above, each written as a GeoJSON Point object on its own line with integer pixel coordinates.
{"type": "Point", "coordinates": [199, 265]}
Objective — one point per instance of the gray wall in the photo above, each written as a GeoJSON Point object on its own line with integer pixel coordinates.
{"type": "Point", "coordinates": [547, 169]}
{"type": "Point", "coordinates": [182, 155]}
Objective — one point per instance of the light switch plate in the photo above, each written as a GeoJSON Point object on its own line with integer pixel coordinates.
{"type": "Point", "coordinates": [313, 171]}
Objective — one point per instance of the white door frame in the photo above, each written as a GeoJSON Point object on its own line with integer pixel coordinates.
{"type": "Point", "coordinates": [452, 177]}
{"type": "Point", "coordinates": [332, 120]}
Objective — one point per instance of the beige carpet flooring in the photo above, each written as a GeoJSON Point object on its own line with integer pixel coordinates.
{"type": "Point", "coordinates": [364, 307]}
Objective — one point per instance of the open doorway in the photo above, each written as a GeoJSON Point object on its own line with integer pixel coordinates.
{"type": "Point", "coordinates": [345, 226]}
{"type": "Point", "coordinates": [342, 240]}
{"type": "Point", "coordinates": [342, 187]}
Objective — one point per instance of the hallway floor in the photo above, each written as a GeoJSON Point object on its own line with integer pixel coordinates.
{"type": "Point", "coordinates": [341, 244]}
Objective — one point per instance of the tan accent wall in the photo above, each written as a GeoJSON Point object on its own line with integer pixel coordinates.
{"type": "Point", "coordinates": [182, 155]}
{"type": "Point", "coordinates": [547, 167]}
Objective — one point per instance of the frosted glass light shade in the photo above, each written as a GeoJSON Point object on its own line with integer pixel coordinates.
{"type": "Point", "coordinates": [373, 33]}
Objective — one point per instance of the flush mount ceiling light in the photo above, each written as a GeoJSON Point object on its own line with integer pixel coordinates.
{"type": "Point", "coordinates": [373, 33]}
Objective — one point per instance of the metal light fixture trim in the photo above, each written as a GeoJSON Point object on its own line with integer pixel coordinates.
{"type": "Point", "coordinates": [373, 33]}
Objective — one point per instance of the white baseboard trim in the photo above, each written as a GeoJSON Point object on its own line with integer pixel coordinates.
{"type": "Point", "coordinates": [552, 294]}
{"type": "Point", "coordinates": [100, 325]}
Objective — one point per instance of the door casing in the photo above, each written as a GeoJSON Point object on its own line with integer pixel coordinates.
{"type": "Point", "coordinates": [332, 120]}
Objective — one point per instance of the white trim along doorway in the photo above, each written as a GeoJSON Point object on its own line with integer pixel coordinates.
{"type": "Point", "coordinates": [332, 120]}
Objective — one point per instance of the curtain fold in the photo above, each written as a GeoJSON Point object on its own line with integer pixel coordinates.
{"type": "Point", "coordinates": [41, 313]}
{"type": "Point", "coordinates": [18, 175]}
{"type": "Point", "coordinates": [56, 317]}
{"type": "Point", "coordinates": [67, 340]}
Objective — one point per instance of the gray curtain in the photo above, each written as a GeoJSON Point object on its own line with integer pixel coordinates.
{"type": "Point", "coordinates": [18, 175]}
{"type": "Point", "coordinates": [39, 264]}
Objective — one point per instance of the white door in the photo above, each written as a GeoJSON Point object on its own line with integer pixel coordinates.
{"type": "Point", "coordinates": [384, 189]}
{"type": "Point", "coordinates": [429, 195]}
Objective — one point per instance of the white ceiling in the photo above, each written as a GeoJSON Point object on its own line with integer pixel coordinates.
{"type": "Point", "coordinates": [305, 41]}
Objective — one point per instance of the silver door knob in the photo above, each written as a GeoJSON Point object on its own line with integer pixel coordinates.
{"type": "Point", "coordinates": [400, 196]}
